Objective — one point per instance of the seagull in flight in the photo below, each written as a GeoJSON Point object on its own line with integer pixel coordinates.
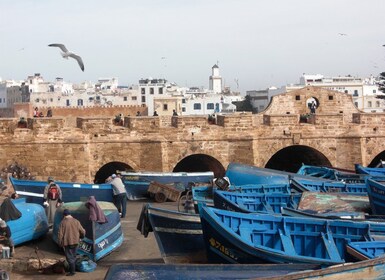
{"type": "Point", "coordinates": [343, 34]}
{"type": "Point", "coordinates": [66, 53]}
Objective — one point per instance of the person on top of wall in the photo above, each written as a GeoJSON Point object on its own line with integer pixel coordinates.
{"type": "Point", "coordinates": [174, 113]}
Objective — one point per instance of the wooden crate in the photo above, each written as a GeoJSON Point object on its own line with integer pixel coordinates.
{"type": "Point", "coordinates": [162, 192]}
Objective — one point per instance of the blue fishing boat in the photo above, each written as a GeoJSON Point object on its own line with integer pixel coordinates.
{"type": "Point", "coordinates": [332, 173]}
{"type": "Point", "coordinates": [234, 237]}
{"type": "Point", "coordinates": [364, 270]}
{"type": "Point", "coordinates": [32, 223]}
{"type": "Point", "coordinates": [178, 235]}
{"type": "Point", "coordinates": [101, 238]}
{"type": "Point", "coordinates": [289, 211]}
{"type": "Point", "coordinates": [329, 186]}
{"type": "Point", "coordinates": [373, 171]}
{"type": "Point", "coordinates": [202, 271]}
{"type": "Point", "coordinates": [376, 193]}
{"type": "Point", "coordinates": [137, 183]}
{"type": "Point", "coordinates": [33, 190]}
{"type": "Point", "coordinates": [242, 174]}
{"type": "Point", "coordinates": [255, 202]}
{"type": "Point", "coordinates": [366, 250]}
{"type": "Point", "coordinates": [205, 194]}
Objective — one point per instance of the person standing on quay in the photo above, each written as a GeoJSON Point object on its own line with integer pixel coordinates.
{"type": "Point", "coordinates": [52, 199]}
{"type": "Point", "coordinates": [69, 234]}
{"type": "Point", "coordinates": [120, 195]}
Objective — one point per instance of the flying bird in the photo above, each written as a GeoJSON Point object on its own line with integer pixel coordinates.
{"type": "Point", "coordinates": [66, 53]}
{"type": "Point", "coordinates": [343, 34]}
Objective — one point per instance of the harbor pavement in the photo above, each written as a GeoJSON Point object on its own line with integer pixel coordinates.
{"type": "Point", "coordinates": [135, 249]}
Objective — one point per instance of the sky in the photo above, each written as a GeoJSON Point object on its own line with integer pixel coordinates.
{"type": "Point", "coordinates": [259, 43]}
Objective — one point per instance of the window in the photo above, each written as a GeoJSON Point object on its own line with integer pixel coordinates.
{"type": "Point", "coordinates": [356, 104]}
{"type": "Point", "coordinates": [370, 104]}
{"type": "Point", "coordinates": [125, 98]}
{"type": "Point", "coordinates": [143, 99]}
{"type": "Point", "coordinates": [161, 90]}
{"type": "Point", "coordinates": [330, 97]}
{"type": "Point", "coordinates": [143, 90]}
{"type": "Point", "coordinates": [68, 103]}
{"type": "Point", "coordinates": [297, 97]}
{"type": "Point", "coordinates": [197, 106]}
{"type": "Point", "coordinates": [134, 98]}
{"type": "Point", "coordinates": [183, 109]}
{"type": "Point", "coordinates": [152, 90]}
{"type": "Point", "coordinates": [377, 103]}
{"type": "Point", "coordinates": [80, 102]}
{"type": "Point", "coordinates": [210, 106]}
{"type": "Point", "coordinates": [355, 93]}
{"type": "Point", "coordinates": [374, 91]}
{"type": "Point", "coordinates": [183, 101]}
{"type": "Point", "coordinates": [165, 107]}
{"type": "Point", "coordinates": [346, 91]}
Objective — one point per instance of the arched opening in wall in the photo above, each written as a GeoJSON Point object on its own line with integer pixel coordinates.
{"type": "Point", "coordinates": [377, 160]}
{"type": "Point", "coordinates": [110, 168]}
{"type": "Point", "coordinates": [291, 158]}
{"type": "Point", "coordinates": [200, 163]}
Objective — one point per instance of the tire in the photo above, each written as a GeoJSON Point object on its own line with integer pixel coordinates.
{"type": "Point", "coordinates": [160, 197]}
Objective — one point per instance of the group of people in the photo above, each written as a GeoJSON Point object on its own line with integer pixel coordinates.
{"type": "Point", "coordinates": [70, 230]}
{"type": "Point", "coordinates": [37, 114]}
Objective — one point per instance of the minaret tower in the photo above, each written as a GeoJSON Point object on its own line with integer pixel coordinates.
{"type": "Point", "coordinates": [215, 80]}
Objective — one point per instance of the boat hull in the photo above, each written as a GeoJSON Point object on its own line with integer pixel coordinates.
{"type": "Point", "coordinates": [100, 239]}
{"type": "Point", "coordinates": [232, 237]}
{"type": "Point", "coordinates": [201, 271]}
{"type": "Point", "coordinates": [178, 235]}
{"type": "Point", "coordinates": [137, 183]}
{"type": "Point", "coordinates": [31, 225]}
{"type": "Point", "coordinates": [71, 192]}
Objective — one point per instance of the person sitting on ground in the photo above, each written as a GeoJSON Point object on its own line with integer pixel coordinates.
{"type": "Point", "coordinates": [155, 114]}
{"type": "Point", "coordinates": [5, 236]}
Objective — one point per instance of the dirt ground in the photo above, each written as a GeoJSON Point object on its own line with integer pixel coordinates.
{"type": "Point", "coordinates": [135, 248]}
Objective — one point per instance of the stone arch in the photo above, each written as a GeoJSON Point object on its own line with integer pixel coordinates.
{"type": "Point", "coordinates": [376, 160]}
{"type": "Point", "coordinates": [291, 158]}
{"type": "Point", "coordinates": [110, 168]}
{"type": "Point", "coordinates": [200, 163]}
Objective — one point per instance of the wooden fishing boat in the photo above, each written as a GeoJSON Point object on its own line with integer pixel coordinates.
{"type": "Point", "coordinates": [335, 174]}
{"type": "Point", "coordinates": [376, 193]}
{"type": "Point", "coordinates": [366, 250]}
{"type": "Point", "coordinates": [289, 211]}
{"type": "Point", "coordinates": [254, 202]}
{"type": "Point", "coordinates": [32, 223]}
{"type": "Point", "coordinates": [33, 190]}
{"type": "Point", "coordinates": [373, 269]}
{"type": "Point", "coordinates": [374, 171]}
{"type": "Point", "coordinates": [329, 186]}
{"type": "Point", "coordinates": [234, 237]}
{"type": "Point", "coordinates": [137, 183]}
{"type": "Point", "coordinates": [101, 238]}
{"type": "Point", "coordinates": [202, 271]}
{"type": "Point", "coordinates": [178, 235]}
{"type": "Point", "coordinates": [242, 174]}
{"type": "Point", "coordinates": [205, 194]}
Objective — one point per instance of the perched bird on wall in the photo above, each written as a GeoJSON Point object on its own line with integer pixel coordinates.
{"type": "Point", "coordinates": [66, 53]}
